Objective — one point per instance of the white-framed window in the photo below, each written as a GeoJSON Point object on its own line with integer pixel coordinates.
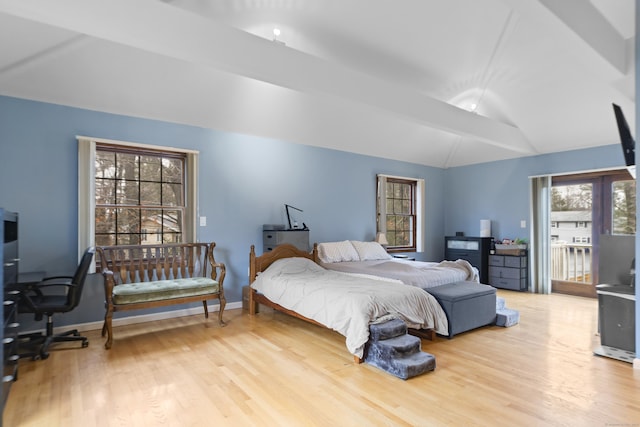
{"type": "Point", "coordinates": [400, 212]}
{"type": "Point", "coordinates": [124, 188]}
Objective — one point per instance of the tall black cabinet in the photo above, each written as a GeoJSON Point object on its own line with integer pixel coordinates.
{"type": "Point", "coordinates": [9, 310]}
{"type": "Point", "coordinates": [473, 249]}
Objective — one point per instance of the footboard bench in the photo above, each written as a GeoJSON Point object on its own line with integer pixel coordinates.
{"type": "Point", "coordinates": [146, 276]}
{"type": "Point", "coordinates": [468, 305]}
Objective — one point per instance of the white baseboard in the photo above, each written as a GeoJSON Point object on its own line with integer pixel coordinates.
{"type": "Point", "coordinates": [636, 363]}
{"type": "Point", "coordinates": [131, 320]}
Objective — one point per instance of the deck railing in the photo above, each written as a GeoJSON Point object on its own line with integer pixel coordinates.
{"type": "Point", "coordinates": [571, 261]}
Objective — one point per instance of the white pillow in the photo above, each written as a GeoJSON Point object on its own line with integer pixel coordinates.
{"type": "Point", "coordinates": [370, 251]}
{"type": "Point", "coordinates": [337, 252]}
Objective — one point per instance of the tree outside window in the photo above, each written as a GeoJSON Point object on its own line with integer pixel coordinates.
{"type": "Point", "coordinates": [139, 196]}
{"type": "Point", "coordinates": [400, 214]}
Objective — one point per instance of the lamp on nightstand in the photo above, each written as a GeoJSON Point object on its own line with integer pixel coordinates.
{"type": "Point", "coordinates": [382, 239]}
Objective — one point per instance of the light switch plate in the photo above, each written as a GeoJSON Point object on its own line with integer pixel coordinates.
{"type": "Point", "coordinates": [523, 223]}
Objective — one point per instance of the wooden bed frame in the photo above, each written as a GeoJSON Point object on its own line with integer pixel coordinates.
{"type": "Point", "coordinates": [260, 263]}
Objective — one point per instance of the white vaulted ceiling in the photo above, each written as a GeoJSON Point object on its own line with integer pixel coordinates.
{"type": "Point", "coordinates": [387, 78]}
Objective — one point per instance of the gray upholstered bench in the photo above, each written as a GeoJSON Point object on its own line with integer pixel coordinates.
{"type": "Point", "coordinates": [468, 305]}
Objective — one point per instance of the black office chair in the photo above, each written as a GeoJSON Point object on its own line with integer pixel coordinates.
{"type": "Point", "coordinates": [39, 299]}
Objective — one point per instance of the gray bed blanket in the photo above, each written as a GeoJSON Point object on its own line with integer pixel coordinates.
{"type": "Point", "coordinates": [421, 274]}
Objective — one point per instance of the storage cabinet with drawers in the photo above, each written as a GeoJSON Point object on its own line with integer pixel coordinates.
{"type": "Point", "coordinates": [509, 272]}
{"type": "Point", "coordinates": [473, 249]}
{"type": "Point", "coordinates": [273, 238]}
{"type": "Point", "coordinates": [8, 279]}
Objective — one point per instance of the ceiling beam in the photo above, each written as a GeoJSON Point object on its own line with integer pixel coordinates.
{"type": "Point", "coordinates": [584, 31]}
{"type": "Point", "coordinates": [163, 29]}
{"type": "Point", "coordinates": [587, 22]}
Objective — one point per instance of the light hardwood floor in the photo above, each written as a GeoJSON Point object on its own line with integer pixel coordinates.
{"type": "Point", "coordinates": [274, 370]}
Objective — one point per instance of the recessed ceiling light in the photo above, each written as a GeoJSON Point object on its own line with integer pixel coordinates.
{"type": "Point", "coordinates": [276, 34]}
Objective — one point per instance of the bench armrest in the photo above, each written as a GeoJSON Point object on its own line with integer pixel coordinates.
{"type": "Point", "coordinates": [109, 283]}
{"type": "Point", "coordinates": [218, 269]}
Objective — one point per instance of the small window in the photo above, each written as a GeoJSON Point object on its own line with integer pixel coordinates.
{"type": "Point", "coordinates": [397, 213]}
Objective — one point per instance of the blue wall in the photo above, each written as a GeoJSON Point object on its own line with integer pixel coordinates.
{"type": "Point", "coordinates": [499, 191]}
{"type": "Point", "coordinates": [244, 183]}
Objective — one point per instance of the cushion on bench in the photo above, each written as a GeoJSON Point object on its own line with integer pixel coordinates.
{"type": "Point", "coordinates": [131, 293]}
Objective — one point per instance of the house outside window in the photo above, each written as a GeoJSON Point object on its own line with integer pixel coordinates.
{"type": "Point", "coordinates": [580, 239]}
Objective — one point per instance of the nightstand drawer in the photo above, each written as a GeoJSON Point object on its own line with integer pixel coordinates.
{"type": "Point", "coordinates": [297, 238]}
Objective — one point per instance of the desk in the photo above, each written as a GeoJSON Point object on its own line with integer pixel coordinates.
{"type": "Point", "coordinates": [30, 277]}
{"type": "Point", "coordinates": [25, 280]}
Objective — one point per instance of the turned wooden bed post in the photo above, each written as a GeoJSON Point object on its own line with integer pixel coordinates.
{"type": "Point", "coordinates": [252, 277]}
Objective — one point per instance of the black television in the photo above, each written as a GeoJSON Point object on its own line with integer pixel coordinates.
{"type": "Point", "coordinates": [626, 140]}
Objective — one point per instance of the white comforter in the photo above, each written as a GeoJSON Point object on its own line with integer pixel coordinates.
{"type": "Point", "coordinates": [347, 303]}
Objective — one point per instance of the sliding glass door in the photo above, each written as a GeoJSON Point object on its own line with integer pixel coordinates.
{"type": "Point", "coordinates": [582, 208]}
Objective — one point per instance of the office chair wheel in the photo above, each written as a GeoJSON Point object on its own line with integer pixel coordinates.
{"type": "Point", "coordinates": [85, 344]}
{"type": "Point", "coordinates": [40, 356]}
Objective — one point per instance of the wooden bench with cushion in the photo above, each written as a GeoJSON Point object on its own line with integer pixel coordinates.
{"type": "Point", "coordinates": [145, 276]}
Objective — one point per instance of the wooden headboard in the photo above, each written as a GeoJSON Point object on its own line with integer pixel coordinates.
{"type": "Point", "coordinates": [262, 262]}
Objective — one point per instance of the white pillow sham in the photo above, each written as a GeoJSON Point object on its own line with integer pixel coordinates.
{"type": "Point", "coordinates": [337, 252]}
{"type": "Point", "coordinates": [370, 251]}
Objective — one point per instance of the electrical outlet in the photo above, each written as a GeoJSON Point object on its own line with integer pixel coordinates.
{"type": "Point", "coordinates": [203, 221]}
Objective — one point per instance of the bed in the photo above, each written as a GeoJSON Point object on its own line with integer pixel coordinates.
{"type": "Point", "coordinates": [455, 285]}
{"type": "Point", "coordinates": [290, 280]}
{"type": "Point", "coordinates": [371, 258]}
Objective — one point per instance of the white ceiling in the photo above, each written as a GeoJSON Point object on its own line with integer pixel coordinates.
{"type": "Point", "coordinates": [385, 78]}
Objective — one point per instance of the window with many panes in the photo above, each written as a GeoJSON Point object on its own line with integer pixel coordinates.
{"type": "Point", "coordinates": [398, 213]}
{"type": "Point", "coordinates": [139, 196]}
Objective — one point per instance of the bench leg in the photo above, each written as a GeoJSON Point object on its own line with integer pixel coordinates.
{"type": "Point", "coordinates": [206, 309]}
{"type": "Point", "coordinates": [106, 327]}
{"type": "Point", "coordinates": [223, 302]}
